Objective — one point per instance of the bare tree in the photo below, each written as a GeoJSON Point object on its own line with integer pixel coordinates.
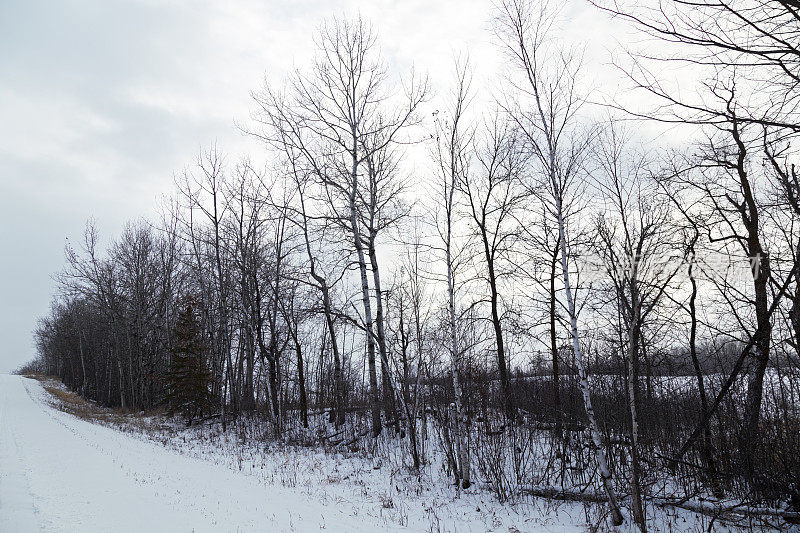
{"type": "Point", "coordinates": [636, 249]}
{"type": "Point", "coordinates": [452, 154]}
{"type": "Point", "coordinates": [693, 223]}
{"type": "Point", "coordinates": [384, 209]}
{"type": "Point", "coordinates": [494, 192]}
{"type": "Point", "coordinates": [549, 85]}
{"type": "Point", "coordinates": [205, 193]}
{"type": "Point", "coordinates": [747, 57]}
{"type": "Point", "coordinates": [341, 115]}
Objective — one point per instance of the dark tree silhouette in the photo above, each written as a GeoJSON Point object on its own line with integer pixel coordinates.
{"type": "Point", "coordinates": [188, 379]}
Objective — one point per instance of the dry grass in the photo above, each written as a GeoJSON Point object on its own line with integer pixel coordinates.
{"type": "Point", "coordinates": [65, 396]}
{"type": "Point", "coordinates": [72, 403]}
{"type": "Point", "coordinates": [40, 377]}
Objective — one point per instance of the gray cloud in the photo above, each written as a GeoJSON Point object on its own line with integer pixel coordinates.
{"type": "Point", "coordinates": [101, 101]}
{"type": "Point", "coordinates": [88, 132]}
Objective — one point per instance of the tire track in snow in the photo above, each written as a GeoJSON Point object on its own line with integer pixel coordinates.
{"type": "Point", "coordinates": [88, 477]}
{"type": "Point", "coordinates": [18, 504]}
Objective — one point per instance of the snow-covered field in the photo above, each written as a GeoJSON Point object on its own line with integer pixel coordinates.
{"type": "Point", "coordinates": [59, 472]}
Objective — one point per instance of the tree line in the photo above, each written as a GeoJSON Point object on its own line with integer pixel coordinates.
{"type": "Point", "coordinates": [563, 303]}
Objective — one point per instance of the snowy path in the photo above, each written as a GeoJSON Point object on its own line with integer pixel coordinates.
{"type": "Point", "coordinates": [60, 473]}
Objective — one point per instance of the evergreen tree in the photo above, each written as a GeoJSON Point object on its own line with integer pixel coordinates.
{"type": "Point", "coordinates": [188, 379]}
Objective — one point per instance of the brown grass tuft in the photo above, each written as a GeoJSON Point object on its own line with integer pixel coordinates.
{"type": "Point", "coordinates": [39, 377]}
{"type": "Point", "coordinates": [65, 396]}
{"type": "Point", "coordinates": [76, 405]}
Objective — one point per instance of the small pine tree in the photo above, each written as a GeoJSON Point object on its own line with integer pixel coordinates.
{"type": "Point", "coordinates": [188, 378]}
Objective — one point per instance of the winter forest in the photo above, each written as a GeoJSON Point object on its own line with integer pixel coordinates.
{"type": "Point", "coordinates": [520, 287]}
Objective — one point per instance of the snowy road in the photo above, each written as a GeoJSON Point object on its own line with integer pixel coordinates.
{"type": "Point", "coordinates": [60, 473]}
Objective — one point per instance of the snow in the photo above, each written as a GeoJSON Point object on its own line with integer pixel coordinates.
{"type": "Point", "coordinates": [59, 472]}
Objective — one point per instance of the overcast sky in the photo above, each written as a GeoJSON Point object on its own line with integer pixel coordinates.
{"type": "Point", "coordinates": [100, 102]}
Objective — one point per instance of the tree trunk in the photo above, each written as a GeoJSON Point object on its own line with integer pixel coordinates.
{"type": "Point", "coordinates": [365, 298]}
{"type": "Point", "coordinates": [554, 344]}
{"type": "Point", "coordinates": [389, 405]}
{"type": "Point", "coordinates": [706, 450]}
{"type": "Point", "coordinates": [600, 453]}
{"type": "Point", "coordinates": [301, 382]}
{"type": "Point", "coordinates": [633, 399]}
{"type": "Point", "coordinates": [248, 399]}
{"type": "Point", "coordinates": [337, 414]}
{"type": "Point", "coordinates": [121, 386]}
{"type": "Point", "coordinates": [505, 386]}
{"type": "Point", "coordinates": [749, 212]}
{"type": "Point", "coordinates": [338, 379]}
{"type": "Point", "coordinates": [462, 455]}
{"type": "Point", "coordinates": [405, 395]}
{"type": "Point", "coordinates": [755, 382]}
{"type": "Point", "coordinates": [83, 364]}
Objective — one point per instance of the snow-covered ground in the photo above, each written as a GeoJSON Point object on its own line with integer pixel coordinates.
{"type": "Point", "coordinates": [59, 472]}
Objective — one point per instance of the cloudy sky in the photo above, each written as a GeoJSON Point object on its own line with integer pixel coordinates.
{"type": "Point", "coordinates": [102, 101]}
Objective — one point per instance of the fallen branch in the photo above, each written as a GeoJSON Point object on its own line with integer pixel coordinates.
{"type": "Point", "coordinates": [707, 507]}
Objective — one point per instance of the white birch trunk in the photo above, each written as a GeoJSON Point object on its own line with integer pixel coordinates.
{"type": "Point", "coordinates": [551, 146]}
{"type": "Point", "coordinates": [362, 267]}
{"type": "Point", "coordinates": [600, 453]}
{"type": "Point", "coordinates": [462, 453]}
